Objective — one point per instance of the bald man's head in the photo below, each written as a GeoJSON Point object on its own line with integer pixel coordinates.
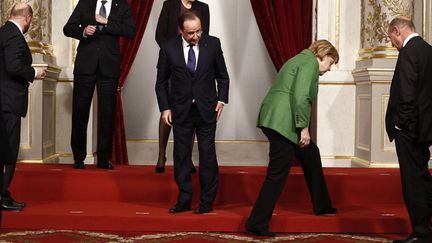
{"type": "Point", "coordinates": [22, 13]}
{"type": "Point", "coordinates": [399, 29]}
{"type": "Point", "coordinates": [402, 22]}
{"type": "Point", "coordinates": [21, 10]}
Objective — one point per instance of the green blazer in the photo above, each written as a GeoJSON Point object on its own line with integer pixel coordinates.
{"type": "Point", "coordinates": [287, 106]}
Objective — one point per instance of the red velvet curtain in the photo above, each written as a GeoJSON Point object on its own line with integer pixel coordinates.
{"type": "Point", "coordinates": [129, 47]}
{"type": "Point", "coordinates": [285, 25]}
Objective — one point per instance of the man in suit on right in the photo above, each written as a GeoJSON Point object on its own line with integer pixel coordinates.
{"type": "Point", "coordinates": [409, 123]}
{"type": "Point", "coordinates": [16, 73]}
{"type": "Point", "coordinates": [193, 63]}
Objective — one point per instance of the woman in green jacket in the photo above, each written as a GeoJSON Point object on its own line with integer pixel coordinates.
{"type": "Point", "coordinates": [284, 118]}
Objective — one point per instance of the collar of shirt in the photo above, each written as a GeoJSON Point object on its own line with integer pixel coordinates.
{"type": "Point", "coordinates": [107, 7]}
{"type": "Point", "coordinates": [409, 38]}
{"type": "Point", "coordinates": [17, 25]}
{"type": "Point", "coordinates": [186, 51]}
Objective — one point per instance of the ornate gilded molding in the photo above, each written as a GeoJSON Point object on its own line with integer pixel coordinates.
{"type": "Point", "coordinates": [376, 16]}
{"type": "Point", "coordinates": [39, 34]}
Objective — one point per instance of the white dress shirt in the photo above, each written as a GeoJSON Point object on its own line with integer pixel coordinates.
{"type": "Point", "coordinates": [409, 38]}
{"type": "Point", "coordinates": [107, 7]}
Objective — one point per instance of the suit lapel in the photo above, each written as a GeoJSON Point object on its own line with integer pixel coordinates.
{"type": "Point", "coordinates": [202, 57]}
{"type": "Point", "coordinates": [180, 53]}
{"type": "Point", "coordinates": [114, 7]}
{"type": "Point", "coordinates": [92, 6]}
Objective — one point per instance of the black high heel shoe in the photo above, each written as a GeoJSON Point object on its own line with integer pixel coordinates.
{"type": "Point", "coordinates": [160, 169]}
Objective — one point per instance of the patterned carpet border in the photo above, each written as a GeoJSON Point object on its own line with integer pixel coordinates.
{"type": "Point", "coordinates": [306, 237]}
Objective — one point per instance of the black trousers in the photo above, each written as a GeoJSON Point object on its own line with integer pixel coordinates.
{"type": "Point", "coordinates": [416, 182]}
{"type": "Point", "coordinates": [282, 153]}
{"type": "Point", "coordinates": [13, 130]}
{"type": "Point", "coordinates": [82, 96]}
{"type": "Point", "coordinates": [208, 166]}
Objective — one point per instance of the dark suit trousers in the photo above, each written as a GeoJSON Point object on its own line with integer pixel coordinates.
{"type": "Point", "coordinates": [416, 181]}
{"type": "Point", "coordinates": [82, 96]}
{"type": "Point", "coordinates": [13, 130]}
{"type": "Point", "coordinates": [208, 166]}
{"type": "Point", "coordinates": [282, 153]}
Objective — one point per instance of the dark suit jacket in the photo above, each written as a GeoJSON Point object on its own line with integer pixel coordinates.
{"type": "Point", "coordinates": [167, 26]}
{"type": "Point", "coordinates": [15, 70]}
{"type": "Point", "coordinates": [184, 87]}
{"type": "Point", "coordinates": [410, 103]}
{"type": "Point", "coordinates": [103, 48]}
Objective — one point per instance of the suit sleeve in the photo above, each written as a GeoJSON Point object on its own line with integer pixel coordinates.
{"type": "Point", "coordinates": [302, 102]}
{"type": "Point", "coordinates": [162, 24]}
{"type": "Point", "coordinates": [222, 77]}
{"type": "Point", "coordinates": [163, 75]}
{"type": "Point", "coordinates": [15, 60]}
{"type": "Point", "coordinates": [205, 15]}
{"type": "Point", "coordinates": [73, 27]}
{"type": "Point", "coordinates": [408, 74]}
{"type": "Point", "coordinates": [125, 26]}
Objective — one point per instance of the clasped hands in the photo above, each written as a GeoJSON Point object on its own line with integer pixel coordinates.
{"type": "Point", "coordinates": [91, 29]}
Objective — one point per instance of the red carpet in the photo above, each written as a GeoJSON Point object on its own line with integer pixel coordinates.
{"type": "Point", "coordinates": [134, 198]}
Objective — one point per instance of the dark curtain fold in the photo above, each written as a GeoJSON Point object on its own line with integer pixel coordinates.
{"type": "Point", "coordinates": [285, 25]}
{"type": "Point", "coordinates": [129, 47]}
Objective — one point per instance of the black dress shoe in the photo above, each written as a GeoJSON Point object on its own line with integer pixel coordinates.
{"type": "Point", "coordinates": [78, 165]}
{"type": "Point", "coordinates": [105, 165]}
{"type": "Point", "coordinates": [260, 233]}
{"type": "Point", "coordinates": [178, 208]}
{"type": "Point", "coordinates": [203, 209]}
{"type": "Point", "coordinates": [330, 211]}
{"type": "Point", "coordinates": [160, 168]}
{"type": "Point", "coordinates": [9, 204]}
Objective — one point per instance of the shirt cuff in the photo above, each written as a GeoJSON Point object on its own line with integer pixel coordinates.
{"type": "Point", "coordinates": [35, 72]}
{"type": "Point", "coordinates": [397, 128]}
{"type": "Point", "coordinates": [221, 102]}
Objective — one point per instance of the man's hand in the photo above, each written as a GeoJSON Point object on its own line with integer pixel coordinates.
{"type": "Point", "coordinates": [167, 117]}
{"type": "Point", "coordinates": [101, 20]}
{"type": "Point", "coordinates": [89, 30]}
{"type": "Point", "coordinates": [304, 137]}
{"type": "Point", "coordinates": [219, 109]}
{"type": "Point", "coordinates": [40, 73]}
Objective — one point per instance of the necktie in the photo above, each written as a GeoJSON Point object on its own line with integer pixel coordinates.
{"type": "Point", "coordinates": [102, 12]}
{"type": "Point", "coordinates": [191, 63]}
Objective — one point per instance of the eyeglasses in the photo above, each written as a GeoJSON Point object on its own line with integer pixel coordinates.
{"type": "Point", "coordinates": [192, 34]}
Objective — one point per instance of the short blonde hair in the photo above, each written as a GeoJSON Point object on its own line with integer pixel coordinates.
{"type": "Point", "coordinates": [322, 48]}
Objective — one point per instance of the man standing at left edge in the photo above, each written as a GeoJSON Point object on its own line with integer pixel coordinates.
{"type": "Point", "coordinates": [98, 25]}
{"type": "Point", "coordinates": [16, 73]}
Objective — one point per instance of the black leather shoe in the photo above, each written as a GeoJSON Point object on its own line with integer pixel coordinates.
{"type": "Point", "coordinates": [331, 211]}
{"type": "Point", "coordinates": [260, 233]}
{"type": "Point", "coordinates": [203, 209]}
{"type": "Point", "coordinates": [9, 204]}
{"type": "Point", "coordinates": [78, 165]}
{"type": "Point", "coordinates": [178, 208]}
{"type": "Point", "coordinates": [105, 165]}
{"type": "Point", "coordinates": [160, 168]}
